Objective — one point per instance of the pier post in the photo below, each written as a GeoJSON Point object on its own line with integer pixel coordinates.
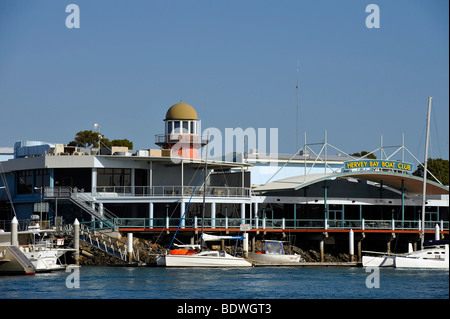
{"type": "Point", "coordinates": [436, 232]}
{"type": "Point", "coordinates": [130, 247]}
{"type": "Point", "coordinates": [245, 244]}
{"type": "Point", "coordinates": [363, 235]}
{"type": "Point", "coordinates": [76, 237]}
{"type": "Point", "coordinates": [322, 247]}
{"type": "Point", "coordinates": [14, 233]}
{"type": "Point", "coordinates": [351, 246]}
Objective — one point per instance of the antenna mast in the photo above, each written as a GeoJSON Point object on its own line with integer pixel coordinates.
{"type": "Point", "coordinates": [297, 87]}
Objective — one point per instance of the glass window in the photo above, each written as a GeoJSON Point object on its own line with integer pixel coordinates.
{"type": "Point", "coordinates": [185, 127]}
{"type": "Point", "coordinates": [114, 177]}
{"type": "Point", "coordinates": [176, 127]}
{"type": "Point", "coordinates": [169, 127]}
{"type": "Point", "coordinates": [25, 182]}
{"type": "Point", "coordinates": [193, 125]}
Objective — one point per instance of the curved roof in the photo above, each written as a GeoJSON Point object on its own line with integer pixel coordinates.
{"type": "Point", "coordinates": [181, 111]}
{"type": "Point", "coordinates": [412, 184]}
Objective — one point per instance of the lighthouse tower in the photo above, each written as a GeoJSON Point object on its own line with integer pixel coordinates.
{"type": "Point", "coordinates": [182, 128]}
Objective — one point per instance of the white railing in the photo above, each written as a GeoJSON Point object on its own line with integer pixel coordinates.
{"type": "Point", "coordinates": [175, 191]}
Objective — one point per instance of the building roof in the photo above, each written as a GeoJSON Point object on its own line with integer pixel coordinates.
{"type": "Point", "coordinates": [181, 111]}
{"type": "Point", "coordinates": [412, 184]}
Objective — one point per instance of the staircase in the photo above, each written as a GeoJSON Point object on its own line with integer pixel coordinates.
{"type": "Point", "coordinates": [83, 200]}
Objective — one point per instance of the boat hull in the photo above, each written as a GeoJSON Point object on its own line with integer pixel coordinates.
{"type": "Point", "coordinates": [408, 262]}
{"type": "Point", "coordinates": [383, 261]}
{"type": "Point", "coordinates": [201, 261]}
{"type": "Point", "coordinates": [274, 259]}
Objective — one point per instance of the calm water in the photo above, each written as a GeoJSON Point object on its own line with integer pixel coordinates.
{"type": "Point", "coordinates": [244, 283]}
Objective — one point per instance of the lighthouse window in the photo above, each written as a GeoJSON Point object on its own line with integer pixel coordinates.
{"type": "Point", "coordinates": [169, 127]}
{"type": "Point", "coordinates": [185, 127]}
{"type": "Point", "coordinates": [176, 127]}
{"type": "Point", "coordinates": [192, 127]}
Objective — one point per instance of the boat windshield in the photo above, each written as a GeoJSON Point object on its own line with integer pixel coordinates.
{"type": "Point", "coordinates": [275, 248]}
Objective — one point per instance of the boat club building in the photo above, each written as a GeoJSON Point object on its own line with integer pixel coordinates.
{"type": "Point", "coordinates": [312, 195]}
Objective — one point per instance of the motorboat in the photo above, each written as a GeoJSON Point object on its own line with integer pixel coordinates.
{"type": "Point", "coordinates": [44, 252]}
{"type": "Point", "coordinates": [206, 258]}
{"type": "Point", "coordinates": [273, 253]}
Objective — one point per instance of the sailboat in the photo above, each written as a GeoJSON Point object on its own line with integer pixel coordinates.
{"type": "Point", "coordinates": [431, 256]}
{"type": "Point", "coordinates": [195, 256]}
{"type": "Point", "coordinates": [437, 255]}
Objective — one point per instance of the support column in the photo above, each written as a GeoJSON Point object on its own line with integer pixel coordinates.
{"type": "Point", "coordinates": [242, 213]}
{"type": "Point", "coordinates": [130, 247]}
{"type": "Point", "coordinates": [150, 214]}
{"type": "Point", "coordinates": [76, 237]}
{"type": "Point", "coordinates": [93, 180]}
{"type": "Point", "coordinates": [351, 245]}
{"type": "Point", "coordinates": [213, 215]}
{"type": "Point", "coordinates": [182, 208]}
{"type": "Point", "coordinates": [403, 203]}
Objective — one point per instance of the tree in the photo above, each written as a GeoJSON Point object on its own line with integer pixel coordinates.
{"type": "Point", "coordinates": [91, 139]}
{"type": "Point", "coordinates": [438, 167]}
{"type": "Point", "coordinates": [371, 156]}
{"type": "Point", "coordinates": [85, 139]}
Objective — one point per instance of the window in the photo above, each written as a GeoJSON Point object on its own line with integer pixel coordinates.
{"type": "Point", "coordinates": [25, 182]}
{"type": "Point", "coordinates": [169, 127]}
{"type": "Point", "coordinates": [185, 127]}
{"type": "Point", "coordinates": [176, 127]}
{"type": "Point", "coordinates": [41, 178]}
{"type": "Point", "coordinates": [114, 177]}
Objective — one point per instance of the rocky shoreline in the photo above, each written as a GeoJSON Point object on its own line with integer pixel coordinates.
{"type": "Point", "coordinates": [148, 251]}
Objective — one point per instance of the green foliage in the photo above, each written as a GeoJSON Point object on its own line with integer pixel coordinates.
{"type": "Point", "coordinates": [370, 156]}
{"type": "Point", "coordinates": [85, 139]}
{"type": "Point", "coordinates": [91, 139]}
{"type": "Point", "coordinates": [438, 167]}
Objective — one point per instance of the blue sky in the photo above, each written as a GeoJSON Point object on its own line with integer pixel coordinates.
{"type": "Point", "coordinates": [235, 62]}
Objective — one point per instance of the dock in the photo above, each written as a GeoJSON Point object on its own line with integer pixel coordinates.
{"type": "Point", "coordinates": [311, 264]}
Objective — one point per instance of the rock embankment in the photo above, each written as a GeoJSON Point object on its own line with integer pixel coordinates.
{"type": "Point", "coordinates": [147, 251]}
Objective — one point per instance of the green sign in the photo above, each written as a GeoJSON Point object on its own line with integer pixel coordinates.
{"type": "Point", "coordinates": [378, 164]}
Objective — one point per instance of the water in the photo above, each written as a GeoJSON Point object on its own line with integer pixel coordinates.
{"type": "Point", "coordinates": [245, 283]}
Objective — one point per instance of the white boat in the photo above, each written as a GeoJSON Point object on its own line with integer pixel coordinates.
{"type": "Point", "coordinates": [43, 253]}
{"type": "Point", "coordinates": [273, 253]}
{"type": "Point", "coordinates": [378, 261]}
{"type": "Point", "coordinates": [434, 257]}
{"type": "Point", "coordinates": [207, 258]}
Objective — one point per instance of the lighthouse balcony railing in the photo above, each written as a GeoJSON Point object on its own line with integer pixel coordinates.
{"type": "Point", "coordinates": [169, 191]}
{"type": "Point", "coordinates": [179, 138]}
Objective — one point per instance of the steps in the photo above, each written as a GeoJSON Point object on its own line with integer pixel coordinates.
{"type": "Point", "coordinates": [15, 262]}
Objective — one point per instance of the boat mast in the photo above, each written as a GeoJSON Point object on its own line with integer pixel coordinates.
{"type": "Point", "coordinates": [422, 237]}
{"type": "Point", "coordinates": [204, 193]}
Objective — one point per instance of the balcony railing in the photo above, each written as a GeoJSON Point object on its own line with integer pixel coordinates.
{"type": "Point", "coordinates": [275, 224]}
{"type": "Point", "coordinates": [169, 191]}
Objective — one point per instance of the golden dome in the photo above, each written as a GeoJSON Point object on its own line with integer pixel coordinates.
{"type": "Point", "coordinates": [181, 111]}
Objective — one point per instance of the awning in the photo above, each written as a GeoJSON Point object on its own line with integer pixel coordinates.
{"type": "Point", "coordinates": [413, 185]}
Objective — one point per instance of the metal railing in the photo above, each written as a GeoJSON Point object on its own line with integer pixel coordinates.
{"type": "Point", "coordinates": [283, 223]}
{"type": "Point", "coordinates": [169, 191]}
